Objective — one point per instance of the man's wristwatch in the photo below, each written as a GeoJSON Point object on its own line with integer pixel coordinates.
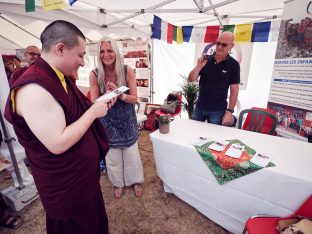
{"type": "Point", "coordinates": [230, 110]}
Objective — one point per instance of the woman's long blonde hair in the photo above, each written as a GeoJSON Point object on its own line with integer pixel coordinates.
{"type": "Point", "coordinates": [119, 67]}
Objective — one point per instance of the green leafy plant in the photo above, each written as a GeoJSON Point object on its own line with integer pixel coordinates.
{"type": "Point", "coordinates": [164, 119]}
{"type": "Point", "coordinates": [190, 94]}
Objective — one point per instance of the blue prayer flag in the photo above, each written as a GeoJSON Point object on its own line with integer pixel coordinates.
{"type": "Point", "coordinates": [187, 33]}
{"type": "Point", "coordinates": [260, 32]}
{"type": "Point", "coordinates": [156, 27]}
{"type": "Point", "coordinates": [71, 2]}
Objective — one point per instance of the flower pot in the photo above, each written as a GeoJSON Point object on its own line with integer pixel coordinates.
{"type": "Point", "coordinates": [164, 128]}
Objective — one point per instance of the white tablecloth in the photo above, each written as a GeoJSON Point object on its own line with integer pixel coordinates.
{"type": "Point", "coordinates": [277, 190]}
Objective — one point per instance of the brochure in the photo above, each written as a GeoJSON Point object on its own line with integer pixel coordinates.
{"type": "Point", "coordinates": [113, 94]}
{"type": "Point", "coordinates": [219, 145]}
{"type": "Point", "coordinates": [235, 151]}
{"type": "Point", "coordinates": [200, 141]}
{"type": "Point", "coordinates": [261, 159]}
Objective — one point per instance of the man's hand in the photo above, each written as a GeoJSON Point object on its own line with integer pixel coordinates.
{"type": "Point", "coordinates": [227, 119]}
{"type": "Point", "coordinates": [201, 62]}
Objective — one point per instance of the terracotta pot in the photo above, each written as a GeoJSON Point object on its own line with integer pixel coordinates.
{"type": "Point", "coordinates": [164, 128]}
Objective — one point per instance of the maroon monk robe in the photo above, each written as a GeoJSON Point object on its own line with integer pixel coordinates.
{"type": "Point", "coordinates": [68, 184]}
{"type": "Point", "coordinates": [16, 74]}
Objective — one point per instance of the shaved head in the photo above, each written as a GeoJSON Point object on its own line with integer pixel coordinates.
{"type": "Point", "coordinates": [228, 36]}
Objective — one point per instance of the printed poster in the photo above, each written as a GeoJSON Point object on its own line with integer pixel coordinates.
{"type": "Point", "coordinates": [136, 55]}
{"type": "Point", "coordinates": [291, 85]}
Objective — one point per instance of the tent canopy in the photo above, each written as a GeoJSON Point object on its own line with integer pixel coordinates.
{"type": "Point", "coordinates": [120, 18]}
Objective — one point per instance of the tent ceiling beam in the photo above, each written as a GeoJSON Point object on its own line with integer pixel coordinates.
{"type": "Point", "coordinates": [141, 12]}
{"type": "Point", "coordinates": [151, 10]}
{"type": "Point", "coordinates": [198, 4]}
{"type": "Point", "coordinates": [204, 22]}
{"type": "Point", "coordinates": [129, 26]}
{"type": "Point", "coordinates": [13, 42]}
{"type": "Point", "coordinates": [18, 26]}
{"type": "Point", "coordinates": [215, 13]}
{"type": "Point", "coordinates": [251, 16]}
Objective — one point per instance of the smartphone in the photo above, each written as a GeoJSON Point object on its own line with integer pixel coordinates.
{"type": "Point", "coordinates": [205, 57]}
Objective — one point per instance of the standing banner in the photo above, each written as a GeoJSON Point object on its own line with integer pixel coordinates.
{"type": "Point", "coordinates": [136, 55]}
{"type": "Point", "coordinates": [291, 85]}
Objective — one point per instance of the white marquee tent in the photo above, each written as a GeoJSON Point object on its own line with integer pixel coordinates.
{"type": "Point", "coordinates": [120, 19]}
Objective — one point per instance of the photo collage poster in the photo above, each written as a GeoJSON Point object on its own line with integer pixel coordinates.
{"type": "Point", "coordinates": [136, 55]}
{"type": "Point", "coordinates": [291, 86]}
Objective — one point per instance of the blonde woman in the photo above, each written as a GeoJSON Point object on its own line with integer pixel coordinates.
{"type": "Point", "coordinates": [123, 162]}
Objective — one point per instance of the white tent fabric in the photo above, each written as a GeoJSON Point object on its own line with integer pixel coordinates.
{"type": "Point", "coordinates": [20, 29]}
{"type": "Point", "coordinates": [117, 18]}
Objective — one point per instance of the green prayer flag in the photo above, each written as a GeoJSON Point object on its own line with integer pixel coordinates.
{"type": "Point", "coordinates": [29, 5]}
{"type": "Point", "coordinates": [229, 28]}
{"type": "Point", "coordinates": [175, 30]}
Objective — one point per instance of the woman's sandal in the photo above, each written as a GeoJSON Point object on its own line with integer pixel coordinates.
{"type": "Point", "coordinates": [118, 192]}
{"type": "Point", "coordinates": [137, 190]}
{"type": "Point", "coordinates": [12, 221]}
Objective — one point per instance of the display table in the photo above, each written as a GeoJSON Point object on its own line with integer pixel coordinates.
{"type": "Point", "coordinates": [276, 190]}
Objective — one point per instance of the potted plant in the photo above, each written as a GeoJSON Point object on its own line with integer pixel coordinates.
{"type": "Point", "coordinates": [164, 123]}
{"type": "Point", "coordinates": [190, 94]}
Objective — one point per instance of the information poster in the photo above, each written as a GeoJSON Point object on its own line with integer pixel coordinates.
{"type": "Point", "coordinates": [136, 55]}
{"type": "Point", "coordinates": [291, 85]}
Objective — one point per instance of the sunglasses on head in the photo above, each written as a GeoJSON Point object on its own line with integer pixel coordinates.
{"type": "Point", "coordinates": [218, 43]}
{"type": "Point", "coordinates": [33, 53]}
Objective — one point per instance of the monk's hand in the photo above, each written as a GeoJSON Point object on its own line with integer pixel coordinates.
{"type": "Point", "coordinates": [227, 119]}
{"type": "Point", "coordinates": [99, 108]}
{"type": "Point", "coordinates": [113, 101]}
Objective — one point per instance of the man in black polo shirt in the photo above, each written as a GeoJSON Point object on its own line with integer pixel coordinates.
{"type": "Point", "coordinates": [217, 73]}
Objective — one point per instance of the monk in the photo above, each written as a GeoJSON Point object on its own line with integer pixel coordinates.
{"type": "Point", "coordinates": [61, 133]}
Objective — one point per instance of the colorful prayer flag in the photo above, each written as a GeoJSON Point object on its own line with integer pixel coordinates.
{"type": "Point", "coordinates": [243, 32]}
{"type": "Point", "coordinates": [30, 5]}
{"type": "Point", "coordinates": [53, 4]}
{"type": "Point", "coordinates": [156, 27]}
{"type": "Point", "coordinates": [71, 2]}
{"type": "Point", "coordinates": [275, 28]}
{"type": "Point", "coordinates": [175, 33]}
{"type": "Point", "coordinates": [164, 29]}
{"type": "Point", "coordinates": [228, 28]}
{"type": "Point", "coordinates": [169, 33]}
{"type": "Point", "coordinates": [187, 33]}
{"type": "Point", "coordinates": [212, 33]}
{"type": "Point", "coordinates": [260, 32]}
{"type": "Point", "coordinates": [179, 35]}
{"type": "Point", "coordinates": [198, 34]}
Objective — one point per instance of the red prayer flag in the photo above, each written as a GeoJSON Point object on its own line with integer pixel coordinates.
{"type": "Point", "coordinates": [212, 33]}
{"type": "Point", "coordinates": [169, 33]}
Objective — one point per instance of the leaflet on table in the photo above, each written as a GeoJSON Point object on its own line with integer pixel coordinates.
{"type": "Point", "coordinates": [235, 151]}
{"type": "Point", "coordinates": [219, 145]}
{"type": "Point", "coordinates": [201, 141]}
{"type": "Point", "coordinates": [113, 94]}
{"type": "Point", "coordinates": [261, 159]}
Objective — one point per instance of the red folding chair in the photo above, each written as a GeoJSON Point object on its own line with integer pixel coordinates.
{"type": "Point", "coordinates": [258, 120]}
{"type": "Point", "coordinates": [267, 224]}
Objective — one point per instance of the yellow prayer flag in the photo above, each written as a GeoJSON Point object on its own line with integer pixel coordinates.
{"type": "Point", "coordinates": [53, 4]}
{"type": "Point", "coordinates": [243, 32]}
{"type": "Point", "coordinates": [179, 35]}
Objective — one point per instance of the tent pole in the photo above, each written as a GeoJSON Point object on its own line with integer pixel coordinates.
{"type": "Point", "coordinates": [8, 140]}
{"type": "Point", "coordinates": [152, 72]}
